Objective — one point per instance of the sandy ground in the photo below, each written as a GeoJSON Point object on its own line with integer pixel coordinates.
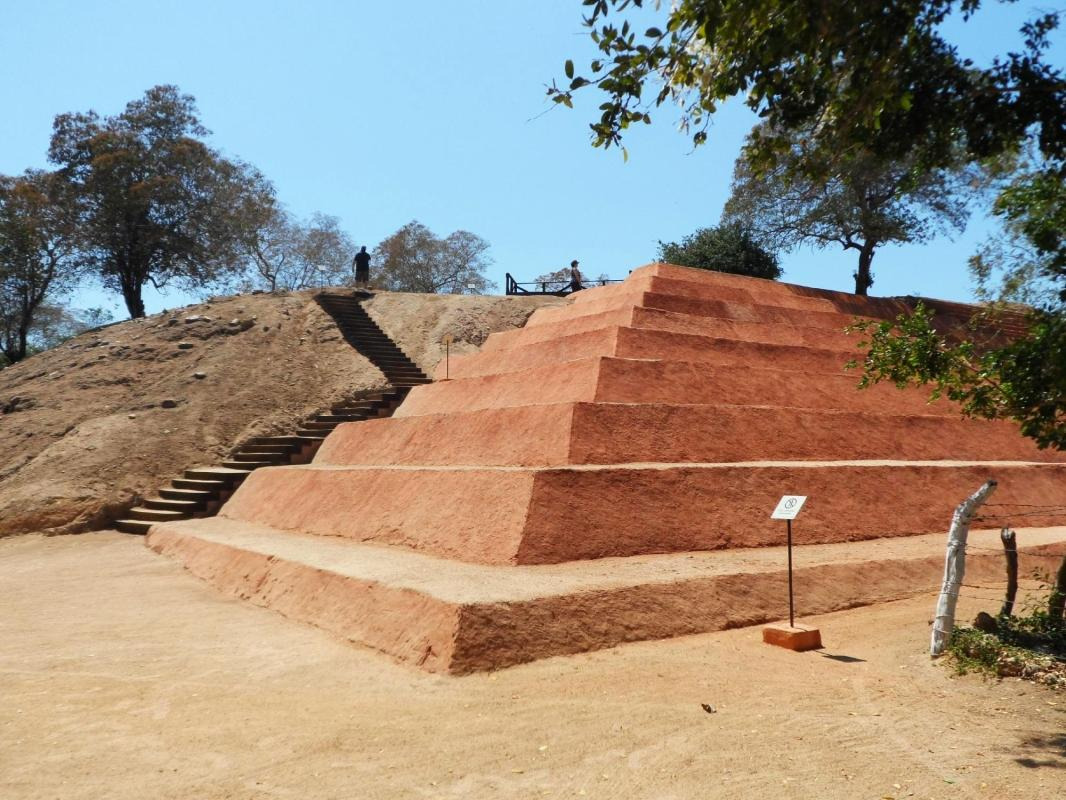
{"type": "Point", "coordinates": [124, 677]}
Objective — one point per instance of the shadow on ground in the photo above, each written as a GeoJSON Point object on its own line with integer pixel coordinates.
{"type": "Point", "coordinates": [1044, 751]}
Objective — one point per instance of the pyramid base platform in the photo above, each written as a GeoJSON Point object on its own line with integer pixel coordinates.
{"type": "Point", "coordinates": [458, 618]}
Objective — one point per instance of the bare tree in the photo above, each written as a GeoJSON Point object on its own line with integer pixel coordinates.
{"type": "Point", "coordinates": [415, 260]}
{"type": "Point", "coordinates": [288, 254]}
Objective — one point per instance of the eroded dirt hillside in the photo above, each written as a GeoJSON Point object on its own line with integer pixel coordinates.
{"type": "Point", "coordinates": [89, 428]}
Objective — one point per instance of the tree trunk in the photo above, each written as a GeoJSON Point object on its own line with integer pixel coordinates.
{"type": "Point", "coordinates": [1010, 550]}
{"type": "Point", "coordinates": [1057, 605]}
{"type": "Point", "coordinates": [131, 294]}
{"type": "Point", "coordinates": [955, 568]}
{"type": "Point", "coordinates": [20, 352]}
{"type": "Point", "coordinates": [863, 279]}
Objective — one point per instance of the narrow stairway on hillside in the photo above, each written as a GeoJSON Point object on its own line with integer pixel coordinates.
{"type": "Point", "coordinates": [201, 491]}
{"type": "Point", "coordinates": [362, 333]}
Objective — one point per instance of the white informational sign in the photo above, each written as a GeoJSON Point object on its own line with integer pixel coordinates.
{"type": "Point", "coordinates": [789, 507]}
{"type": "Point", "coordinates": [448, 339]}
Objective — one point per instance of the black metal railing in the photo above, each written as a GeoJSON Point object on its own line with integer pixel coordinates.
{"type": "Point", "coordinates": [511, 286]}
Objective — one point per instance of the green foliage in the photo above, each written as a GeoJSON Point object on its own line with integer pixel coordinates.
{"type": "Point", "coordinates": [1023, 381]}
{"type": "Point", "coordinates": [725, 248]}
{"type": "Point", "coordinates": [862, 74]}
{"type": "Point", "coordinates": [1032, 646]}
{"type": "Point", "coordinates": [155, 204]}
{"type": "Point", "coordinates": [858, 202]}
{"type": "Point", "coordinates": [38, 257]}
{"type": "Point", "coordinates": [864, 78]}
{"type": "Point", "coordinates": [1024, 262]}
{"type": "Point", "coordinates": [414, 259]}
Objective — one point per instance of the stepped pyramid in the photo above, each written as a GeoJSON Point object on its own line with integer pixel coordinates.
{"type": "Point", "coordinates": [568, 486]}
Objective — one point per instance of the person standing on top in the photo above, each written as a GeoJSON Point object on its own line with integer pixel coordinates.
{"type": "Point", "coordinates": [575, 277]}
{"type": "Point", "coordinates": [362, 268]}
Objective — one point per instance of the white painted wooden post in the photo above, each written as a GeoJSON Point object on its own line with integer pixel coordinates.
{"type": "Point", "coordinates": [955, 568]}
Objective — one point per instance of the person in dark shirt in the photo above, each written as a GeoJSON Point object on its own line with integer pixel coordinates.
{"type": "Point", "coordinates": [362, 268]}
{"type": "Point", "coordinates": [575, 277]}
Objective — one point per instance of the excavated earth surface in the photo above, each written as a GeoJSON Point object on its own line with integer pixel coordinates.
{"type": "Point", "coordinates": [88, 428]}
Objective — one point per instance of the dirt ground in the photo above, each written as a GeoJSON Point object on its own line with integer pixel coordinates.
{"type": "Point", "coordinates": [93, 425]}
{"type": "Point", "coordinates": [124, 677]}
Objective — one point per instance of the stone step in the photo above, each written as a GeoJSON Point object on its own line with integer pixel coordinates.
{"type": "Point", "coordinates": [338, 418]}
{"type": "Point", "coordinates": [382, 343]}
{"type": "Point", "coordinates": [316, 434]}
{"type": "Point", "coordinates": [135, 526]}
{"type": "Point", "coordinates": [385, 356]}
{"type": "Point", "coordinates": [201, 496]}
{"type": "Point", "coordinates": [169, 504]}
{"type": "Point", "coordinates": [529, 515]}
{"type": "Point", "coordinates": [275, 449]}
{"type": "Point", "coordinates": [593, 433]}
{"type": "Point", "coordinates": [228, 475]}
{"type": "Point", "coordinates": [190, 484]}
{"type": "Point", "coordinates": [274, 440]}
{"type": "Point", "coordinates": [458, 618]}
{"type": "Point", "coordinates": [354, 320]}
{"type": "Point", "coordinates": [371, 409]}
{"type": "Point", "coordinates": [315, 425]}
{"type": "Point", "coordinates": [351, 320]}
{"type": "Point", "coordinates": [256, 458]}
{"type": "Point", "coordinates": [391, 368]}
{"type": "Point", "coordinates": [157, 514]}
{"type": "Point", "coordinates": [368, 337]}
{"type": "Point", "coordinates": [247, 465]}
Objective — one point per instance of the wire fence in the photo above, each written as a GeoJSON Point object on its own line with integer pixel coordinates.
{"type": "Point", "coordinates": [996, 591]}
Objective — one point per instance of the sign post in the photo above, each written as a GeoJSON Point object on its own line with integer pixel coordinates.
{"type": "Point", "coordinates": [793, 638]}
{"type": "Point", "coordinates": [447, 342]}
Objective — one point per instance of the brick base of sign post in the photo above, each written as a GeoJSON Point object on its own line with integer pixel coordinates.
{"type": "Point", "coordinates": [797, 638]}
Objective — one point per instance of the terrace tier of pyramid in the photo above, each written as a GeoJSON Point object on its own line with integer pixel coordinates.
{"type": "Point", "coordinates": [667, 413]}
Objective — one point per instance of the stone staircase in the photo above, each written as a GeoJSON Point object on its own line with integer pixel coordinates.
{"type": "Point", "coordinates": [362, 333]}
{"type": "Point", "coordinates": [201, 491]}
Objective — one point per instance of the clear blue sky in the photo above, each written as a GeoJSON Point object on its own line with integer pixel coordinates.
{"type": "Point", "coordinates": [384, 112]}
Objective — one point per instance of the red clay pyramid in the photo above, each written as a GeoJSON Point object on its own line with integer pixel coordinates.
{"type": "Point", "coordinates": [662, 415]}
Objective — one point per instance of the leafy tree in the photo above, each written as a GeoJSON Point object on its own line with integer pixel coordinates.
{"type": "Point", "coordinates": [414, 259]}
{"type": "Point", "coordinates": [1025, 262]}
{"type": "Point", "coordinates": [861, 76]}
{"type": "Point", "coordinates": [156, 204]}
{"type": "Point", "coordinates": [37, 254]}
{"type": "Point", "coordinates": [1023, 381]}
{"type": "Point", "coordinates": [288, 254]}
{"type": "Point", "coordinates": [858, 202]}
{"type": "Point", "coordinates": [728, 247]}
